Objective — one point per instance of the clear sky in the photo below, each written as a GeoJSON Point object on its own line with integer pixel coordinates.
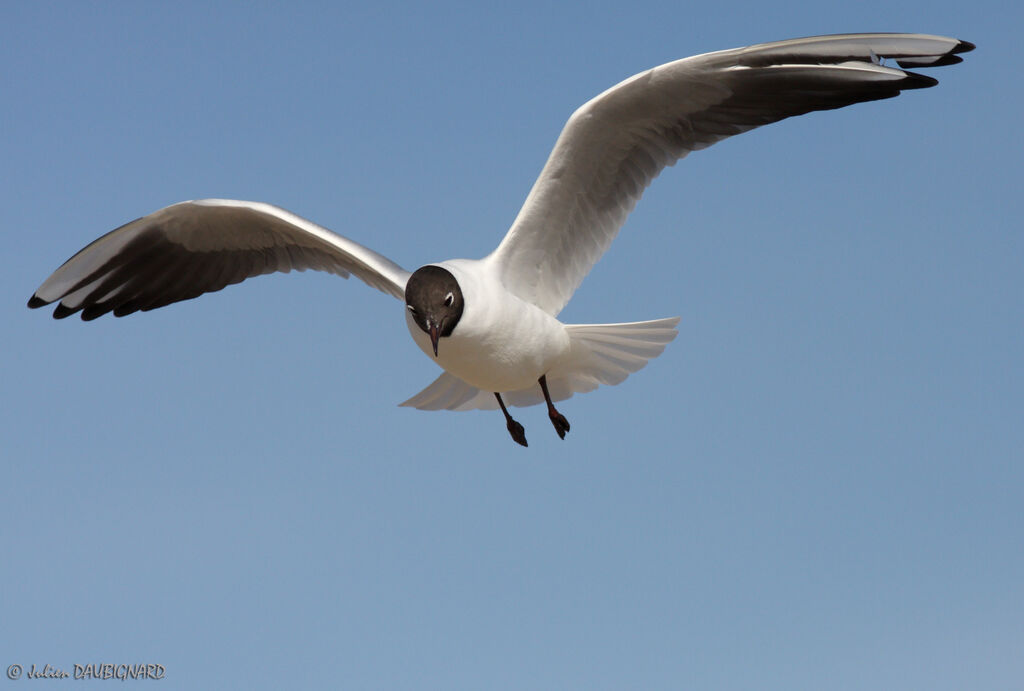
{"type": "Point", "coordinates": [818, 485]}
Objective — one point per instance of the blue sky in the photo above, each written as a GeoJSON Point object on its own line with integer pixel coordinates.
{"type": "Point", "coordinates": [817, 485]}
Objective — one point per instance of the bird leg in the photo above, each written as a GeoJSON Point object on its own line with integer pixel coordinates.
{"type": "Point", "coordinates": [557, 419]}
{"type": "Point", "coordinates": [514, 428]}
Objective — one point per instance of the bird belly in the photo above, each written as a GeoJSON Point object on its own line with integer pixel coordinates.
{"type": "Point", "coordinates": [506, 347]}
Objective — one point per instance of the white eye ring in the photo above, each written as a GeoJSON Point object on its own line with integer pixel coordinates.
{"type": "Point", "coordinates": [411, 308]}
{"type": "Point", "coordinates": [448, 300]}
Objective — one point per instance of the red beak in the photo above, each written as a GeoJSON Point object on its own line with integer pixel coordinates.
{"type": "Point", "coordinates": [435, 333]}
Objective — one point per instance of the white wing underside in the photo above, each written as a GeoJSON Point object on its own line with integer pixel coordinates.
{"type": "Point", "coordinates": [616, 144]}
{"type": "Point", "coordinates": [600, 354]}
{"type": "Point", "coordinates": [196, 247]}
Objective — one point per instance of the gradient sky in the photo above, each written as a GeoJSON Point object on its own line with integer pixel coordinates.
{"type": "Point", "coordinates": [818, 485]}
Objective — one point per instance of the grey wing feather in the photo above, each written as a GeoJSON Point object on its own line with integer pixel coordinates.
{"type": "Point", "coordinates": [616, 144]}
{"type": "Point", "coordinates": [196, 247]}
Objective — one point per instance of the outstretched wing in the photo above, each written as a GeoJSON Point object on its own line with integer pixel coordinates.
{"type": "Point", "coordinates": [196, 247]}
{"type": "Point", "coordinates": [616, 144]}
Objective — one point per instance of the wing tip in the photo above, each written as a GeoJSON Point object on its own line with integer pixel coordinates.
{"type": "Point", "coordinates": [35, 302]}
{"type": "Point", "coordinates": [96, 311]}
{"type": "Point", "coordinates": [913, 80]}
{"type": "Point", "coordinates": [950, 57]}
{"type": "Point", "coordinates": [963, 47]}
{"type": "Point", "coordinates": [62, 311]}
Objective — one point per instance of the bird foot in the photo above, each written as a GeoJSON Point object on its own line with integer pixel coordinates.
{"type": "Point", "coordinates": [517, 432]}
{"type": "Point", "coordinates": [560, 423]}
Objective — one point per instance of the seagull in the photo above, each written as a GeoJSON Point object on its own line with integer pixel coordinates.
{"type": "Point", "coordinates": [492, 323]}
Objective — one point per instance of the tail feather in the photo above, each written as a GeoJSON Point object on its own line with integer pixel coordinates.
{"type": "Point", "coordinates": [608, 353]}
{"type": "Point", "coordinates": [599, 354]}
{"type": "Point", "coordinates": [448, 392]}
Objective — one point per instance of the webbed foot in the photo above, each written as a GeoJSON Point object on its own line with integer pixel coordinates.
{"type": "Point", "coordinates": [517, 432]}
{"type": "Point", "coordinates": [559, 421]}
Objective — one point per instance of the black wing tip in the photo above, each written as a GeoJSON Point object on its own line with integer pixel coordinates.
{"type": "Point", "coordinates": [963, 47]}
{"type": "Point", "coordinates": [913, 80]}
{"type": "Point", "coordinates": [126, 308]}
{"type": "Point", "coordinates": [88, 313]}
{"type": "Point", "coordinates": [95, 312]}
{"type": "Point", "coordinates": [62, 311]}
{"type": "Point", "coordinates": [951, 57]}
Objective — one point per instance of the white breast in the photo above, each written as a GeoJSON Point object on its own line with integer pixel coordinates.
{"type": "Point", "coordinates": [501, 343]}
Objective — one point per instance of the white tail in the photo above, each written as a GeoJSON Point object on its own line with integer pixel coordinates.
{"type": "Point", "coordinates": [599, 354]}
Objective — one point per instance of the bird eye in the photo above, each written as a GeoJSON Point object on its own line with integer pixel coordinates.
{"type": "Point", "coordinates": [448, 300]}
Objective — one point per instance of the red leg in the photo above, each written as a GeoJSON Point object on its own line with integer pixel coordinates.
{"type": "Point", "coordinates": [514, 428]}
{"type": "Point", "coordinates": [557, 419]}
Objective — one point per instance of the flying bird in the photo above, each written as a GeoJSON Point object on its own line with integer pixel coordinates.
{"type": "Point", "coordinates": [492, 323]}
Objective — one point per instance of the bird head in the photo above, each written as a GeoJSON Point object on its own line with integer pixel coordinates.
{"type": "Point", "coordinates": [434, 300]}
